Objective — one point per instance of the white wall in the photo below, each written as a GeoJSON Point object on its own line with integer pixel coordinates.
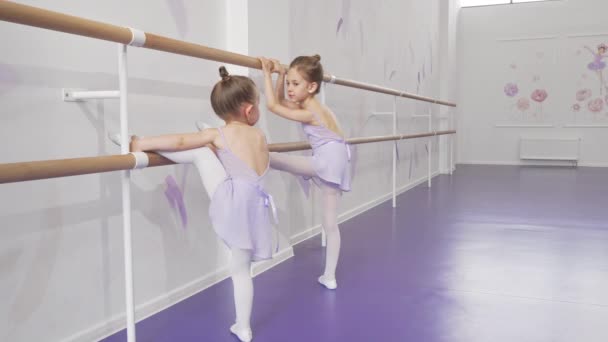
{"type": "Point", "coordinates": [389, 43]}
{"type": "Point", "coordinates": [448, 24]}
{"type": "Point", "coordinates": [531, 45]}
{"type": "Point", "coordinates": [61, 239]}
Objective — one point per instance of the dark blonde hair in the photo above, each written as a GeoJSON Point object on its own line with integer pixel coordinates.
{"type": "Point", "coordinates": [311, 69]}
{"type": "Point", "coordinates": [231, 92]}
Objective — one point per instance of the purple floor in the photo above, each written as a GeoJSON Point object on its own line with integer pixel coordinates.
{"type": "Point", "coordinates": [492, 253]}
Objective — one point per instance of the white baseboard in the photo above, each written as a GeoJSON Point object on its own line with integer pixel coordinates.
{"type": "Point", "coordinates": [149, 308]}
{"type": "Point", "coordinates": [263, 266]}
{"type": "Point", "coordinates": [446, 171]}
{"type": "Point", "coordinates": [311, 232]}
{"type": "Point", "coordinates": [307, 234]}
{"type": "Point", "coordinates": [160, 303]}
{"type": "Point", "coordinates": [519, 163]}
{"type": "Point", "coordinates": [593, 164]}
{"type": "Point", "coordinates": [488, 162]}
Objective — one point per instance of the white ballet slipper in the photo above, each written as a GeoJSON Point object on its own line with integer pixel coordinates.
{"type": "Point", "coordinates": [328, 283]}
{"type": "Point", "coordinates": [244, 335]}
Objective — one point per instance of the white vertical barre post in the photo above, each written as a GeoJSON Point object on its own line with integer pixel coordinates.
{"type": "Point", "coordinates": [323, 236]}
{"type": "Point", "coordinates": [451, 142]}
{"type": "Point", "coordinates": [395, 152]}
{"type": "Point", "coordinates": [430, 147]}
{"type": "Point", "coordinates": [126, 193]}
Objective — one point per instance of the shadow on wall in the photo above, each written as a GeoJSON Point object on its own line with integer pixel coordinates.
{"type": "Point", "coordinates": [177, 8]}
{"type": "Point", "coordinates": [8, 78]}
{"type": "Point", "coordinates": [23, 75]}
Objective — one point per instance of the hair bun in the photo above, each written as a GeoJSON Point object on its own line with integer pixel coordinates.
{"type": "Point", "coordinates": [224, 73]}
{"type": "Point", "coordinates": [316, 57]}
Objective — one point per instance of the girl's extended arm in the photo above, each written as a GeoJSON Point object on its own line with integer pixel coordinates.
{"type": "Point", "coordinates": [174, 142]}
{"type": "Point", "coordinates": [280, 86]}
{"type": "Point", "coordinates": [274, 105]}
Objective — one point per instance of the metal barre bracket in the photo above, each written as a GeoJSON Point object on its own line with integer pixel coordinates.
{"type": "Point", "coordinates": [79, 95]}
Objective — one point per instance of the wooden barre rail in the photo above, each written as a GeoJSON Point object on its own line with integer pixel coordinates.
{"type": "Point", "coordinates": [44, 169]}
{"type": "Point", "coordinates": [38, 17]}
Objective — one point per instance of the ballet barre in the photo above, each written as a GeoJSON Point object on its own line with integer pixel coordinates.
{"type": "Point", "coordinates": [45, 169]}
{"type": "Point", "coordinates": [56, 21]}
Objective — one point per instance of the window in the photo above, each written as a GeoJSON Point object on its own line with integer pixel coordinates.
{"type": "Point", "coordinates": [473, 3]}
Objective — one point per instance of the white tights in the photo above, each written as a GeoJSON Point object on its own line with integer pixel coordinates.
{"type": "Point", "coordinates": [212, 174]}
{"type": "Point", "coordinates": [240, 268]}
{"type": "Point", "coordinates": [209, 168]}
{"type": "Point", "coordinates": [302, 166]}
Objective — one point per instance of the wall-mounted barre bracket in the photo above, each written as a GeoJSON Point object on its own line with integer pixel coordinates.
{"type": "Point", "coordinates": [79, 95]}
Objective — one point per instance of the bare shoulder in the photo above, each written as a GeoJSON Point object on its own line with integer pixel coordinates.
{"type": "Point", "coordinates": [329, 112]}
{"type": "Point", "coordinates": [332, 121]}
{"type": "Point", "coordinates": [253, 134]}
{"type": "Point", "coordinates": [326, 115]}
{"type": "Point", "coordinates": [212, 134]}
{"type": "Point", "coordinates": [260, 135]}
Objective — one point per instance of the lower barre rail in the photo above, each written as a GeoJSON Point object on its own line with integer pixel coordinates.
{"type": "Point", "coordinates": [44, 169]}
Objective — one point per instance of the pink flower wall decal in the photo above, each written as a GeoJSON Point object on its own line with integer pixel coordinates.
{"type": "Point", "coordinates": [596, 105]}
{"type": "Point", "coordinates": [523, 104]}
{"type": "Point", "coordinates": [583, 94]}
{"type": "Point", "coordinates": [539, 95]}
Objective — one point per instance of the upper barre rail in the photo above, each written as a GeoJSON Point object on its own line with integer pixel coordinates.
{"type": "Point", "coordinates": [44, 169]}
{"type": "Point", "coordinates": [56, 21]}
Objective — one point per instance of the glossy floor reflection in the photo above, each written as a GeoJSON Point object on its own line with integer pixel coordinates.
{"type": "Point", "coordinates": [491, 253]}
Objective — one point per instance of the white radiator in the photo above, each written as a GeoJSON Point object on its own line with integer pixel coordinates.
{"type": "Point", "coordinates": [566, 149]}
